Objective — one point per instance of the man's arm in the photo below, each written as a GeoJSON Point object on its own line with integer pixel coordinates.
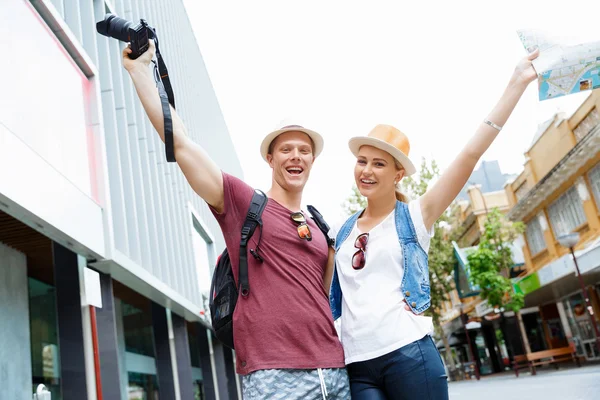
{"type": "Point", "coordinates": [201, 172]}
{"type": "Point", "coordinates": [328, 275]}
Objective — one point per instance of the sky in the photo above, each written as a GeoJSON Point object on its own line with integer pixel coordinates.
{"type": "Point", "coordinates": [432, 69]}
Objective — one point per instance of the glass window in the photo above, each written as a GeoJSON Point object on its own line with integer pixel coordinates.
{"type": "Point", "coordinates": [142, 386]}
{"type": "Point", "coordinates": [566, 213]}
{"type": "Point", "coordinates": [535, 331]}
{"type": "Point", "coordinates": [195, 357]}
{"type": "Point", "coordinates": [483, 354]}
{"type": "Point", "coordinates": [45, 365]}
{"type": "Point", "coordinates": [137, 325]}
{"type": "Point", "coordinates": [194, 348]}
{"type": "Point", "coordinates": [199, 390]}
{"type": "Point", "coordinates": [202, 253]}
{"type": "Point", "coordinates": [535, 237]}
{"type": "Point", "coordinates": [581, 326]}
{"type": "Point", "coordinates": [594, 176]}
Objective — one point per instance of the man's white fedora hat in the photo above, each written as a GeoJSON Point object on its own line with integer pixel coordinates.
{"type": "Point", "coordinates": [291, 126]}
{"type": "Point", "coordinates": [388, 139]}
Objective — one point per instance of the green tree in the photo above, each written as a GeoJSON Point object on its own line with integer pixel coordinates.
{"type": "Point", "coordinates": [490, 263]}
{"type": "Point", "coordinates": [417, 187]}
{"type": "Point", "coordinates": [354, 202]}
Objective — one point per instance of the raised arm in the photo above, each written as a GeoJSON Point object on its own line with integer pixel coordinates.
{"type": "Point", "coordinates": [445, 190]}
{"type": "Point", "coordinates": [201, 172]}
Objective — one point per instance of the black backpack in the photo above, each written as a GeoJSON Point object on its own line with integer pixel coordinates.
{"type": "Point", "coordinates": [223, 290]}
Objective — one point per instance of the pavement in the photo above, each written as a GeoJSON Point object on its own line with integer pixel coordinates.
{"type": "Point", "coordinates": [570, 383]}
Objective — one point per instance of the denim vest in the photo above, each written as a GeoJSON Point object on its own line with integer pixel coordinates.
{"type": "Point", "coordinates": [415, 280]}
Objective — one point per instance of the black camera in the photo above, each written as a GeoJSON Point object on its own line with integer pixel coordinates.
{"type": "Point", "coordinates": [126, 31]}
{"type": "Point", "coordinates": [138, 36]}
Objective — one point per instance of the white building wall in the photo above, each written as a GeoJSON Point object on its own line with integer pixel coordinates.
{"type": "Point", "coordinates": [86, 167]}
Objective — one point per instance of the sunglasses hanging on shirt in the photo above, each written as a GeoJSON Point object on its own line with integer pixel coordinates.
{"type": "Point", "coordinates": [360, 258]}
{"type": "Point", "coordinates": [303, 229]}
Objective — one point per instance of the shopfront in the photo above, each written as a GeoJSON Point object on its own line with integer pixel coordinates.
{"type": "Point", "coordinates": [492, 342]}
{"type": "Point", "coordinates": [581, 326]}
{"type": "Point", "coordinates": [42, 339]}
{"type": "Point", "coordinates": [45, 367]}
{"type": "Point", "coordinates": [557, 292]}
{"type": "Point", "coordinates": [45, 334]}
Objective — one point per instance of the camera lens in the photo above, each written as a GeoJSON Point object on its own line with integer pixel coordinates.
{"type": "Point", "coordinates": [115, 27]}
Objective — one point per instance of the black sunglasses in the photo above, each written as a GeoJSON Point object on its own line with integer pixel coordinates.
{"type": "Point", "coordinates": [303, 228]}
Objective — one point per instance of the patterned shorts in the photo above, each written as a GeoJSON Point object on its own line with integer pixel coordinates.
{"type": "Point", "coordinates": [297, 384]}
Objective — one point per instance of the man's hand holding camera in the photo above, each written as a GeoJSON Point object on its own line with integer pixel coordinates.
{"type": "Point", "coordinates": [140, 63]}
{"type": "Point", "coordinates": [140, 51]}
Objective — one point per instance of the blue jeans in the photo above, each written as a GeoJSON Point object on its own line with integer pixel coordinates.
{"type": "Point", "coordinates": [414, 371]}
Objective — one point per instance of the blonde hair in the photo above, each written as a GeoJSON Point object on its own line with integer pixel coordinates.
{"type": "Point", "coordinates": [399, 195]}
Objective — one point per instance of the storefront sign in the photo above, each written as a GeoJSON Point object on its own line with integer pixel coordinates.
{"type": "Point", "coordinates": [92, 294]}
{"type": "Point", "coordinates": [528, 284]}
{"type": "Point", "coordinates": [483, 308]}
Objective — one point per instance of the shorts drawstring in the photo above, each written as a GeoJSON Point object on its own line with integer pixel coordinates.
{"type": "Point", "coordinates": [323, 386]}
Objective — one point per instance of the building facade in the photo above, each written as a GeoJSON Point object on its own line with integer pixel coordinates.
{"type": "Point", "coordinates": [106, 253]}
{"type": "Point", "coordinates": [476, 335]}
{"type": "Point", "coordinates": [472, 213]}
{"type": "Point", "coordinates": [558, 192]}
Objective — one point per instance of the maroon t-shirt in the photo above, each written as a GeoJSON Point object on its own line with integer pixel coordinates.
{"type": "Point", "coordinates": [285, 322]}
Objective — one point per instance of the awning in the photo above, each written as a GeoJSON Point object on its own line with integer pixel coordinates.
{"type": "Point", "coordinates": [558, 278]}
{"type": "Point", "coordinates": [560, 288]}
{"type": "Point", "coordinates": [462, 271]}
{"type": "Point", "coordinates": [454, 339]}
{"type": "Point", "coordinates": [473, 325]}
{"type": "Point", "coordinates": [589, 258]}
{"type": "Point", "coordinates": [578, 156]}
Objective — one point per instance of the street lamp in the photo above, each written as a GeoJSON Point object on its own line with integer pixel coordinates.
{"type": "Point", "coordinates": [569, 241]}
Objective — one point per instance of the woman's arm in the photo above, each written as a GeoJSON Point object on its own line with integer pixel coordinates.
{"type": "Point", "coordinates": [437, 199]}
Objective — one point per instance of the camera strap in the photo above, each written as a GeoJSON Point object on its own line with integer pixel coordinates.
{"type": "Point", "coordinates": [165, 91]}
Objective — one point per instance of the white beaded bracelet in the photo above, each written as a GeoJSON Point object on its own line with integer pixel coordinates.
{"type": "Point", "coordinates": [493, 125]}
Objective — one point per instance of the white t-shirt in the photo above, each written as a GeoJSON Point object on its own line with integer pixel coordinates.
{"type": "Point", "coordinates": [374, 321]}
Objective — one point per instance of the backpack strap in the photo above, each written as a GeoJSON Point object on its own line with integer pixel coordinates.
{"type": "Point", "coordinates": [253, 219]}
{"type": "Point", "coordinates": [320, 221]}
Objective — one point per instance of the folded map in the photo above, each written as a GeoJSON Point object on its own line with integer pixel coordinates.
{"type": "Point", "coordinates": [563, 68]}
